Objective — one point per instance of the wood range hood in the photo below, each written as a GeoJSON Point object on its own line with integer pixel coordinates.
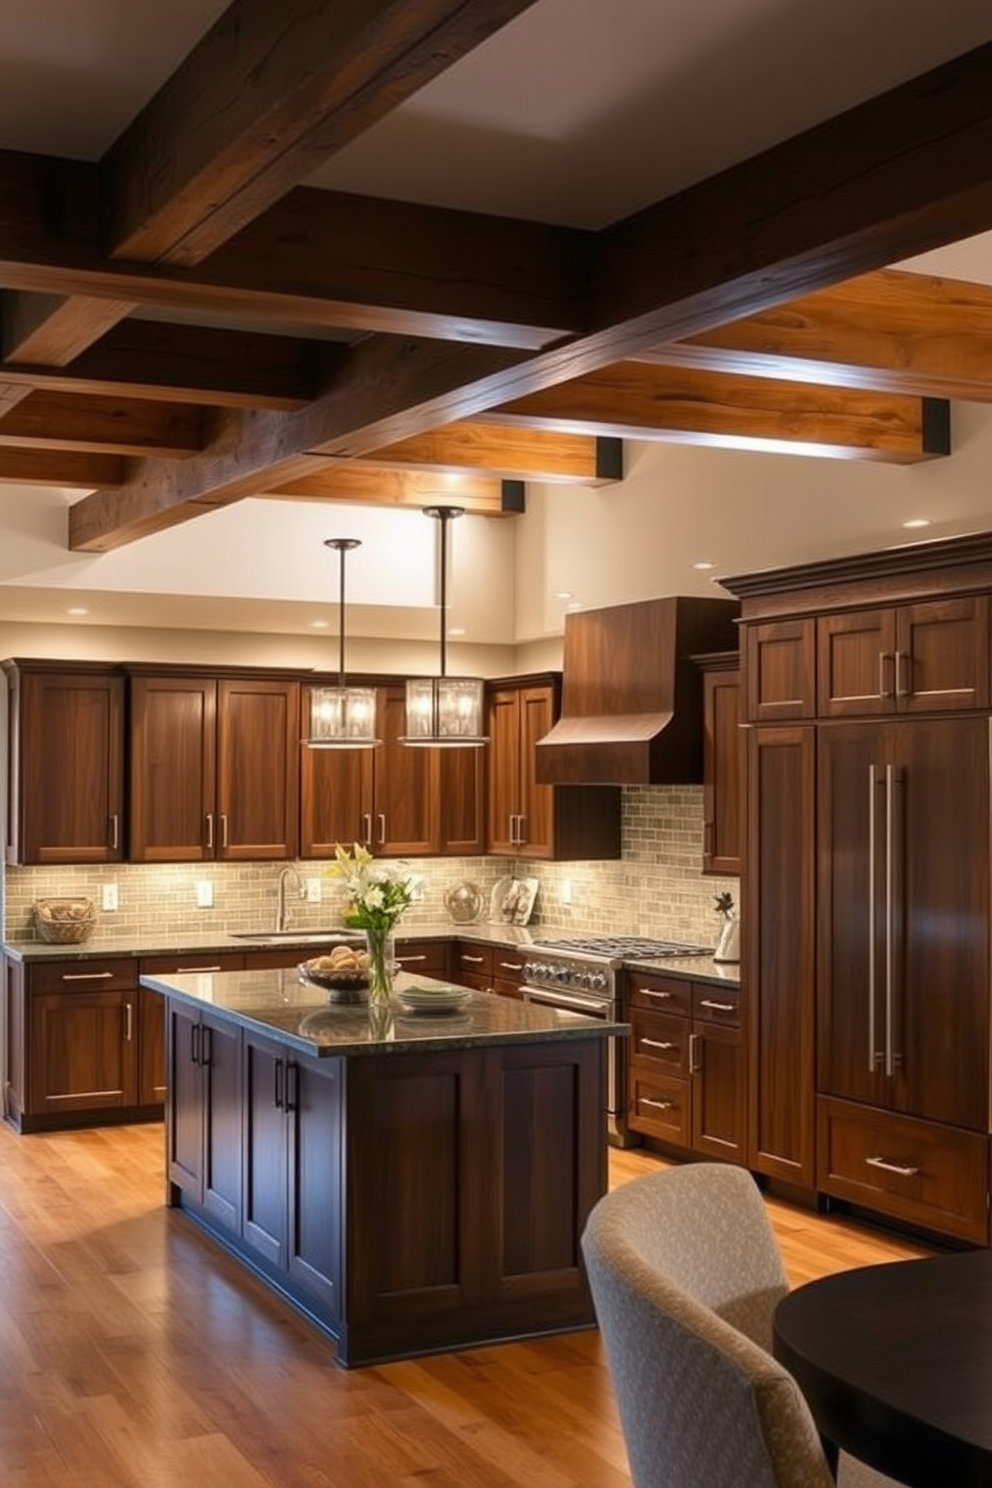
{"type": "Point", "coordinates": [632, 697]}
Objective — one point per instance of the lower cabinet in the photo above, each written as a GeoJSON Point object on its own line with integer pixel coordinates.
{"type": "Point", "coordinates": [472, 965]}
{"type": "Point", "coordinates": [83, 1046]}
{"type": "Point", "coordinates": [427, 958]}
{"type": "Point", "coordinates": [292, 1167]}
{"type": "Point", "coordinates": [686, 1070]}
{"type": "Point", "coordinates": [203, 1116]}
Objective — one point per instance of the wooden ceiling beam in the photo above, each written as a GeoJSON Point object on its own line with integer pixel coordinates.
{"type": "Point", "coordinates": [516, 453]}
{"type": "Point", "coordinates": [379, 486]}
{"type": "Point", "coordinates": [115, 426]}
{"type": "Point", "coordinates": [184, 364]}
{"type": "Point", "coordinates": [687, 405]}
{"type": "Point", "coordinates": [69, 468]}
{"type": "Point", "coordinates": [892, 330]}
{"type": "Point", "coordinates": [906, 171]}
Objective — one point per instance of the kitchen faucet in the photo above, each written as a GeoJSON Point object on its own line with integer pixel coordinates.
{"type": "Point", "coordinates": [283, 914]}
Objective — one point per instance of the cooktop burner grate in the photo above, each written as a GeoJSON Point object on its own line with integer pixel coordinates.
{"type": "Point", "coordinates": [626, 947]}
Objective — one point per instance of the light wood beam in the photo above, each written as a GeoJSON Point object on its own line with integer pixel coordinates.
{"type": "Point", "coordinates": [906, 171]}
{"type": "Point", "coordinates": [520, 453]}
{"type": "Point", "coordinates": [111, 425]}
{"type": "Point", "coordinates": [71, 468]}
{"type": "Point", "coordinates": [685, 405]}
{"type": "Point", "coordinates": [892, 330]}
{"type": "Point", "coordinates": [378, 486]}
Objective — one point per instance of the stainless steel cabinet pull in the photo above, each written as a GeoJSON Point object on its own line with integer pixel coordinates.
{"type": "Point", "coordinates": [115, 832]}
{"type": "Point", "coordinates": [872, 915]}
{"type": "Point", "coordinates": [649, 1043]}
{"type": "Point", "coordinates": [128, 1022]}
{"type": "Point", "coordinates": [382, 829]}
{"type": "Point", "coordinates": [718, 1007]}
{"type": "Point", "coordinates": [86, 976]}
{"type": "Point", "coordinates": [521, 834]}
{"type": "Point", "coordinates": [188, 970]}
{"type": "Point", "coordinates": [891, 1167]}
{"type": "Point", "coordinates": [649, 992]}
{"type": "Point", "coordinates": [883, 691]}
{"type": "Point", "coordinates": [901, 689]}
{"type": "Point", "coordinates": [889, 868]}
{"type": "Point", "coordinates": [407, 959]}
{"type": "Point", "coordinates": [223, 829]}
{"type": "Point", "coordinates": [694, 1039]}
{"type": "Point", "coordinates": [210, 831]}
{"type": "Point", "coordinates": [511, 966]}
{"type": "Point", "coordinates": [367, 828]}
{"type": "Point", "coordinates": [472, 960]}
{"type": "Point", "coordinates": [659, 1105]}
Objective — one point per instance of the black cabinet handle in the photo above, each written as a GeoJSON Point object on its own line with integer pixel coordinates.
{"type": "Point", "coordinates": [279, 1093]}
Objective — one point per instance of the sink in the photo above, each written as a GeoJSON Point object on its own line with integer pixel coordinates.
{"type": "Point", "coordinates": [301, 937]}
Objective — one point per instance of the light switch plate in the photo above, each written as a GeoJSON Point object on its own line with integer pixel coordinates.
{"type": "Point", "coordinates": [204, 893]}
{"type": "Point", "coordinates": [313, 890]}
{"type": "Point", "coordinates": [108, 897]}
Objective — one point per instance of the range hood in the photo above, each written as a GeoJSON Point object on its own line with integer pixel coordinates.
{"type": "Point", "coordinates": [632, 698]}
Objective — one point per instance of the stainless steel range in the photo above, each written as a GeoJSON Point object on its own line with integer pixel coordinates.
{"type": "Point", "coordinates": [582, 974]}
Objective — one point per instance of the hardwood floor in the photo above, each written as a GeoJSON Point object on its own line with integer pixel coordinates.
{"type": "Point", "coordinates": [132, 1355]}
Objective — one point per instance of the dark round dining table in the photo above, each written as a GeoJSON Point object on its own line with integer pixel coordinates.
{"type": "Point", "coordinates": [895, 1361]}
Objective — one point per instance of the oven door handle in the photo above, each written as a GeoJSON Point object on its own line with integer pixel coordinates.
{"type": "Point", "coordinates": [595, 1007]}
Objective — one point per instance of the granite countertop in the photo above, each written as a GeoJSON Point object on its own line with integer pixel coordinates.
{"type": "Point", "coordinates": [162, 942]}
{"type": "Point", "coordinates": [282, 1006]}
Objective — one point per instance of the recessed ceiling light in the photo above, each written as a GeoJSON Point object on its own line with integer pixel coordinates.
{"type": "Point", "coordinates": [319, 624]}
{"type": "Point", "coordinates": [704, 565]}
{"type": "Point", "coordinates": [77, 610]}
{"type": "Point", "coordinates": [456, 630]}
{"type": "Point", "coordinates": [563, 594]}
{"type": "Point", "coordinates": [917, 522]}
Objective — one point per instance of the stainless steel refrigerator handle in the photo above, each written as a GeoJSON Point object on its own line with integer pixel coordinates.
{"type": "Point", "coordinates": [872, 780]}
{"type": "Point", "coordinates": [889, 792]}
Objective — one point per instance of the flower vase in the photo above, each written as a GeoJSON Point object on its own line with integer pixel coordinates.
{"type": "Point", "coordinates": [380, 945]}
{"type": "Point", "coordinates": [728, 946]}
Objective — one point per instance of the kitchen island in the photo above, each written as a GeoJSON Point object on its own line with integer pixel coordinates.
{"type": "Point", "coordinates": [411, 1183]}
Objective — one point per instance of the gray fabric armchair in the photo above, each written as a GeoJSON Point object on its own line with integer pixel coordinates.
{"type": "Point", "coordinates": [685, 1273]}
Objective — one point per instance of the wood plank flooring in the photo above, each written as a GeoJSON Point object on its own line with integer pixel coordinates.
{"type": "Point", "coordinates": [133, 1355]}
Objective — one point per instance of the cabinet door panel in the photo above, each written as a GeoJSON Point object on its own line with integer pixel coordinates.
{"type": "Point", "coordinates": [781, 670]}
{"type": "Point", "coordinates": [184, 1127]}
{"type": "Point", "coordinates": [718, 1092]}
{"type": "Point", "coordinates": [265, 1226]}
{"type": "Point", "coordinates": [944, 655]}
{"type": "Point", "coordinates": [856, 663]}
{"type": "Point", "coordinates": [173, 754]}
{"type": "Point", "coordinates": [503, 728]}
{"type": "Point", "coordinates": [537, 802]}
{"type": "Point", "coordinates": [336, 803]}
{"type": "Point", "coordinates": [222, 1121]}
{"type": "Point", "coordinates": [81, 1057]}
{"type": "Point", "coordinates": [258, 768]}
{"type": "Point", "coordinates": [405, 807]}
{"type": "Point", "coordinates": [315, 1218]}
{"type": "Point", "coordinates": [151, 1047]}
{"type": "Point", "coordinates": [723, 772]}
{"type": "Point", "coordinates": [461, 800]}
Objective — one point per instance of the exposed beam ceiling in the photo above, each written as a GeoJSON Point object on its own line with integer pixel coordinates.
{"type": "Point", "coordinates": [315, 345]}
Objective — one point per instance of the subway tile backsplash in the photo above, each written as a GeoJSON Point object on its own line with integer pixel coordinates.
{"type": "Point", "coordinates": [656, 888]}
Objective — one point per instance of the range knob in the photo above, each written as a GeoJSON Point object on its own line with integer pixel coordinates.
{"type": "Point", "coordinates": [597, 982]}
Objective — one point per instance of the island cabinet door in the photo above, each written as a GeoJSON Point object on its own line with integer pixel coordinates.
{"type": "Point", "coordinates": [203, 1131]}
{"type": "Point", "coordinates": [313, 1095]}
{"type": "Point", "coordinates": [266, 1219]}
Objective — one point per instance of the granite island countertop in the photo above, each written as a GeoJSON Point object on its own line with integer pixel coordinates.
{"type": "Point", "coordinates": [298, 1014]}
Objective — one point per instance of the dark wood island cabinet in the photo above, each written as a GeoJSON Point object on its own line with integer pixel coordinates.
{"type": "Point", "coordinates": [414, 1186]}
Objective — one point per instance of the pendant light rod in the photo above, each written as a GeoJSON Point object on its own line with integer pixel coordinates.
{"type": "Point", "coordinates": [444, 515]}
{"type": "Point", "coordinates": [341, 546]}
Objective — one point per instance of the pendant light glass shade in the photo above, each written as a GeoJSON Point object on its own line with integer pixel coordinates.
{"type": "Point", "coordinates": [342, 717]}
{"type": "Point", "coordinates": [444, 711]}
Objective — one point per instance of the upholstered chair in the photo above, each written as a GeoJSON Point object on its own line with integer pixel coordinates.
{"type": "Point", "coordinates": [685, 1273]}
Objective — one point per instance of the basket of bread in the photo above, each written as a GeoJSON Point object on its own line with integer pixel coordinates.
{"type": "Point", "coordinates": [343, 972]}
{"type": "Point", "coordinates": [65, 921]}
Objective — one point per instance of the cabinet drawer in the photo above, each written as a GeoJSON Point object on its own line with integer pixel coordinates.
{"type": "Point", "coordinates": [660, 993]}
{"type": "Point", "coordinates": [929, 1175]}
{"type": "Point", "coordinates": [191, 962]}
{"type": "Point", "coordinates": [85, 975]}
{"type": "Point", "coordinates": [716, 1004]}
{"type": "Point", "coordinates": [475, 961]}
{"type": "Point", "coordinates": [659, 1107]}
{"type": "Point", "coordinates": [659, 1040]}
{"type": "Point", "coordinates": [423, 957]}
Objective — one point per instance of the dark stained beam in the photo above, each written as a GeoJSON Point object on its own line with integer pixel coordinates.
{"type": "Point", "coordinates": [900, 332]}
{"type": "Point", "coordinates": [907, 171]}
{"type": "Point", "coordinates": [43, 467]}
{"type": "Point", "coordinates": [686, 405]}
{"type": "Point", "coordinates": [111, 425]}
{"type": "Point", "coordinates": [493, 449]}
{"type": "Point", "coordinates": [47, 330]}
{"type": "Point", "coordinates": [184, 364]}
{"type": "Point", "coordinates": [266, 97]}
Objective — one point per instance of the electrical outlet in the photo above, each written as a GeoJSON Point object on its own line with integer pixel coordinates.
{"type": "Point", "coordinates": [204, 893]}
{"type": "Point", "coordinates": [108, 896]}
{"type": "Point", "coordinates": [565, 892]}
{"type": "Point", "coordinates": [313, 891]}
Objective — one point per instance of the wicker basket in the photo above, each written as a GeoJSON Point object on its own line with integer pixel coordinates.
{"type": "Point", "coordinates": [64, 921]}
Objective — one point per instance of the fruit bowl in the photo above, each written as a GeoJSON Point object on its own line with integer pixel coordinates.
{"type": "Point", "coordinates": [344, 976]}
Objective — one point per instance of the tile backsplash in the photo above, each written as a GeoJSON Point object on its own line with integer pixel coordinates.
{"type": "Point", "coordinates": [656, 888]}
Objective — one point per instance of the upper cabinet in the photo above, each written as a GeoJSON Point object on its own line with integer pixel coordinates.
{"type": "Point", "coordinates": [528, 820]}
{"type": "Point", "coordinates": [723, 763]}
{"type": "Point", "coordinates": [932, 656]}
{"type": "Point", "coordinates": [780, 669]}
{"type": "Point", "coordinates": [398, 800]}
{"type": "Point", "coordinates": [214, 768]}
{"type": "Point", "coordinates": [65, 763]}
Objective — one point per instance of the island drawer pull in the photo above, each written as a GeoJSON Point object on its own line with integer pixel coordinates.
{"type": "Point", "coordinates": [650, 992]}
{"type": "Point", "coordinates": [511, 966]}
{"type": "Point", "coordinates": [188, 970]}
{"type": "Point", "coordinates": [86, 976]}
{"type": "Point", "coordinates": [473, 960]}
{"type": "Point", "coordinates": [890, 1167]}
{"type": "Point", "coordinates": [405, 959]}
{"type": "Point", "coordinates": [661, 1105]}
{"type": "Point", "coordinates": [650, 1043]}
{"type": "Point", "coordinates": [718, 1007]}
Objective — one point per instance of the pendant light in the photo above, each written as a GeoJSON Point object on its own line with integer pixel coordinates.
{"type": "Point", "coordinates": [342, 717]}
{"type": "Point", "coordinates": [444, 710]}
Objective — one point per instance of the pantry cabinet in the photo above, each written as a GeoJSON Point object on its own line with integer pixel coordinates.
{"type": "Point", "coordinates": [723, 763]}
{"type": "Point", "coordinates": [528, 820]}
{"type": "Point", "coordinates": [65, 763]}
{"type": "Point", "coordinates": [214, 768]}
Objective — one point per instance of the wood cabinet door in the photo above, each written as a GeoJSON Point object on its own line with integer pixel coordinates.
{"type": "Point", "coordinates": [461, 797]}
{"type": "Point", "coordinates": [67, 768]}
{"type": "Point", "coordinates": [405, 809]}
{"type": "Point", "coordinates": [723, 772]}
{"type": "Point", "coordinates": [503, 727]}
{"type": "Point", "coordinates": [942, 655]}
{"type": "Point", "coordinates": [336, 802]}
{"type": "Point", "coordinates": [856, 663]}
{"type": "Point", "coordinates": [185, 1112]}
{"type": "Point", "coordinates": [718, 1109]}
{"type": "Point", "coordinates": [316, 1211]}
{"type": "Point", "coordinates": [265, 1226]}
{"type": "Point", "coordinates": [151, 1047]}
{"type": "Point", "coordinates": [220, 1062]}
{"type": "Point", "coordinates": [779, 907]}
{"type": "Point", "coordinates": [537, 802]}
{"type": "Point", "coordinates": [173, 743]}
{"type": "Point", "coordinates": [258, 768]}
{"type": "Point", "coordinates": [82, 1051]}
{"type": "Point", "coordinates": [903, 977]}
{"type": "Point", "coordinates": [780, 670]}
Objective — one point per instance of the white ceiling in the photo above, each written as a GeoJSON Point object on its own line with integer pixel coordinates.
{"type": "Point", "coordinates": [578, 112]}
